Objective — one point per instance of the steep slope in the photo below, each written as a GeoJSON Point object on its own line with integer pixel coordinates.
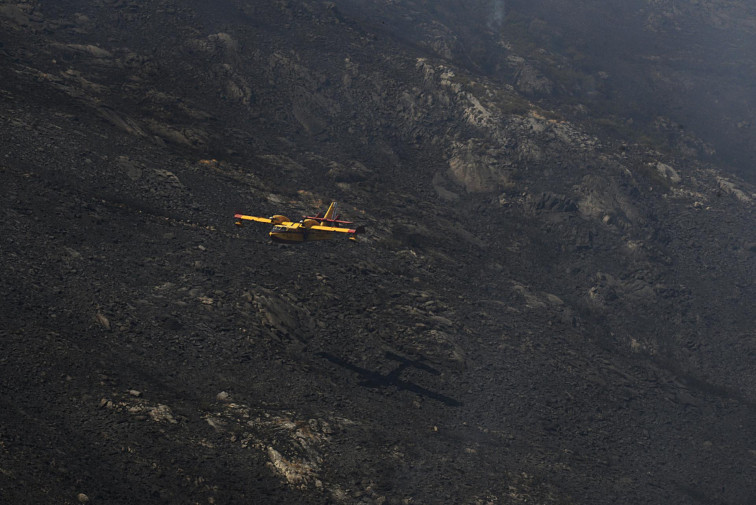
{"type": "Point", "coordinates": [539, 312]}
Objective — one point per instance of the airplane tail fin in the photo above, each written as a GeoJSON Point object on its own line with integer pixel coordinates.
{"type": "Point", "coordinates": [330, 212]}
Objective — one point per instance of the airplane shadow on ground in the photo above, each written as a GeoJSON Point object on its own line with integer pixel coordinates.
{"type": "Point", "coordinates": [378, 380]}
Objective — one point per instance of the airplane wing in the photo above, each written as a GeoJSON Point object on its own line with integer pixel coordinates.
{"type": "Point", "coordinates": [334, 228]}
{"type": "Point", "coordinates": [253, 218]}
{"type": "Point", "coordinates": [321, 219]}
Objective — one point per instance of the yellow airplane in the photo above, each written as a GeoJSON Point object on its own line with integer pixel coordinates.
{"type": "Point", "coordinates": [324, 226]}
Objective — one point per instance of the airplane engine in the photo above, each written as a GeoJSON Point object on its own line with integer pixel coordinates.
{"type": "Point", "coordinates": [278, 219]}
{"type": "Point", "coordinates": [309, 223]}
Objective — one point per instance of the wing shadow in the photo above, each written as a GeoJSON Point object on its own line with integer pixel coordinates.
{"type": "Point", "coordinates": [374, 379]}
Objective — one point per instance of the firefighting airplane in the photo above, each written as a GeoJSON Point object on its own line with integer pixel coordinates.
{"type": "Point", "coordinates": [324, 226]}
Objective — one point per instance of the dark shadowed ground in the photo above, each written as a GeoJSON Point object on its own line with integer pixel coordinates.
{"type": "Point", "coordinates": [545, 308]}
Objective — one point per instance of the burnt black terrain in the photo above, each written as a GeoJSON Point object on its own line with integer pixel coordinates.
{"type": "Point", "coordinates": [553, 303]}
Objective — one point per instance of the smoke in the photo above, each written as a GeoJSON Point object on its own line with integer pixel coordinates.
{"type": "Point", "coordinates": [497, 14]}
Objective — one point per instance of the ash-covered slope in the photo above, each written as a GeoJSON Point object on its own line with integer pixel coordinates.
{"type": "Point", "coordinates": [679, 75]}
{"type": "Point", "coordinates": [537, 314]}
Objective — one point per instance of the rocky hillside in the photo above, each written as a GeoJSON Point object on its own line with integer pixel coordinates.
{"type": "Point", "coordinates": [667, 73]}
{"type": "Point", "coordinates": [546, 308]}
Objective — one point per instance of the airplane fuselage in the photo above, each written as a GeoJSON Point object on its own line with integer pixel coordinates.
{"type": "Point", "coordinates": [297, 232]}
